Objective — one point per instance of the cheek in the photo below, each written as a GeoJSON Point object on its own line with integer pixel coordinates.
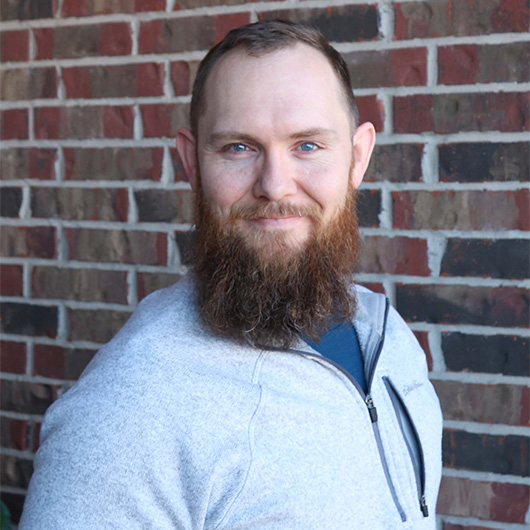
{"type": "Point", "coordinates": [328, 186]}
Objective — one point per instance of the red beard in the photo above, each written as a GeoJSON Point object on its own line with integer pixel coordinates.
{"type": "Point", "coordinates": [256, 287]}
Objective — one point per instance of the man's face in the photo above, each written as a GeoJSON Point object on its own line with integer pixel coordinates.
{"type": "Point", "coordinates": [275, 150]}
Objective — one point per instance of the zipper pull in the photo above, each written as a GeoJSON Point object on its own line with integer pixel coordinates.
{"type": "Point", "coordinates": [371, 408]}
{"type": "Point", "coordinates": [423, 506]}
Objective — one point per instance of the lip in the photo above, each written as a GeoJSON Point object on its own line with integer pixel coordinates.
{"type": "Point", "coordinates": [278, 222]}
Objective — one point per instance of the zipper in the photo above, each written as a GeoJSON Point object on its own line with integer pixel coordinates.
{"type": "Point", "coordinates": [372, 410]}
{"type": "Point", "coordinates": [414, 447]}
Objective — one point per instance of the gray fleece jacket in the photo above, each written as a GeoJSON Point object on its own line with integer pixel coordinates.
{"type": "Point", "coordinates": [172, 428]}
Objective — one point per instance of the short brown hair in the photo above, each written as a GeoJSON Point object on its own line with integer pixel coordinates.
{"type": "Point", "coordinates": [265, 37]}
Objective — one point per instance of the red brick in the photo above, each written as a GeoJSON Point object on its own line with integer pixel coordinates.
{"type": "Point", "coordinates": [394, 255]}
{"type": "Point", "coordinates": [483, 403]}
{"type": "Point", "coordinates": [36, 441]}
{"type": "Point", "coordinates": [423, 339]}
{"type": "Point", "coordinates": [450, 526]}
{"type": "Point", "coordinates": [184, 34]}
{"type": "Point", "coordinates": [11, 280]}
{"type": "Point", "coordinates": [27, 163]}
{"type": "Point", "coordinates": [462, 210]}
{"type": "Point", "coordinates": [14, 45]}
{"type": "Point", "coordinates": [83, 41]}
{"type": "Point", "coordinates": [14, 124]}
{"type": "Point", "coordinates": [471, 63]}
{"type": "Point", "coordinates": [192, 4]}
{"type": "Point", "coordinates": [381, 68]}
{"type": "Point", "coordinates": [163, 120]}
{"type": "Point", "coordinates": [117, 246]}
{"type": "Point", "coordinates": [371, 109]}
{"type": "Point", "coordinates": [84, 122]}
{"type": "Point", "coordinates": [460, 17]}
{"type": "Point", "coordinates": [113, 163]}
{"type": "Point", "coordinates": [151, 281]}
{"type": "Point", "coordinates": [28, 83]}
{"type": "Point", "coordinates": [375, 287]}
{"type": "Point", "coordinates": [89, 285]}
{"type": "Point", "coordinates": [60, 363]}
{"type": "Point", "coordinates": [178, 168]}
{"type": "Point", "coordinates": [80, 203]}
{"type": "Point", "coordinates": [451, 113]}
{"type": "Point", "coordinates": [492, 501]}
{"type": "Point", "coordinates": [14, 433]}
{"type": "Point", "coordinates": [28, 241]}
{"type": "Point", "coordinates": [12, 357]}
{"type": "Point", "coordinates": [97, 326]}
{"type": "Point", "coordinates": [181, 78]}
{"type": "Point", "coordinates": [85, 8]}
{"type": "Point", "coordinates": [463, 304]}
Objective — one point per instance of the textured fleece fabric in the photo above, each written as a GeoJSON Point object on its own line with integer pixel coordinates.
{"type": "Point", "coordinates": [170, 427]}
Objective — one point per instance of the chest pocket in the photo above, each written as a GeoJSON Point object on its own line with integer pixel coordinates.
{"type": "Point", "coordinates": [412, 441]}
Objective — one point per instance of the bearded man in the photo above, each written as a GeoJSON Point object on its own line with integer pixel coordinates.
{"type": "Point", "coordinates": [265, 390]}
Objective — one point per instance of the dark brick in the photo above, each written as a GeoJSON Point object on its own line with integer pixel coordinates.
{"type": "Point", "coordinates": [184, 241]}
{"type": "Point", "coordinates": [28, 241]}
{"type": "Point", "coordinates": [395, 163]}
{"type": "Point", "coordinates": [128, 80]}
{"type": "Point", "coordinates": [482, 452]}
{"type": "Point", "coordinates": [14, 45]}
{"type": "Point", "coordinates": [117, 246]}
{"type": "Point", "coordinates": [192, 4]}
{"type": "Point", "coordinates": [15, 471]}
{"type": "Point", "coordinates": [460, 17]}
{"type": "Point", "coordinates": [10, 201]}
{"type": "Point", "coordinates": [375, 287]}
{"type": "Point", "coordinates": [502, 258]}
{"type": "Point", "coordinates": [394, 255]}
{"type": "Point", "coordinates": [14, 503]}
{"type": "Point", "coordinates": [27, 163]}
{"type": "Point", "coordinates": [462, 210]}
{"type": "Point", "coordinates": [423, 339]}
{"type": "Point", "coordinates": [164, 120]}
{"type": "Point", "coordinates": [492, 501]}
{"type": "Point", "coordinates": [185, 34]}
{"type": "Point", "coordinates": [338, 23]}
{"type": "Point", "coordinates": [149, 282]}
{"type": "Point", "coordinates": [27, 9]}
{"type": "Point", "coordinates": [84, 122]}
{"type": "Point", "coordinates": [89, 285]}
{"type": "Point", "coordinates": [113, 163]}
{"type": "Point", "coordinates": [85, 8]}
{"type": "Point", "coordinates": [492, 354]}
{"type": "Point", "coordinates": [369, 207]}
{"type": "Point", "coordinates": [26, 319]}
{"type": "Point", "coordinates": [178, 168]}
{"type": "Point", "coordinates": [381, 68]}
{"type": "Point", "coordinates": [371, 109]}
{"type": "Point", "coordinates": [28, 83]}
{"type": "Point", "coordinates": [452, 113]}
{"type": "Point", "coordinates": [83, 41]}
{"type": "Point", "coordinates": [166, 206]}
{"type": "Point", "coordinates": [61, 363]}
{"type": "Point", "coordinates": [14, 433]}
{"type": "Point", "coordinates": [472, 63]}
{"type": "Point", "coordinates": [26, 398]}
{"type": "Point", "coordinates": [461, 304]}
{"type": "Point", "coordinates": [478, 162]}
{"type": "Point", "coordinates": [109, 204]}
{"type": "Point", "coordinates": [11, 280]}
{"type": "Point", "coordinates": [97, 326]}
{"type": "Point", "coordinates": [450, 526]}
{"type": "Point", "coordinates": [12, 357]}
{"type": "Point", "coordinates": [14, 124]}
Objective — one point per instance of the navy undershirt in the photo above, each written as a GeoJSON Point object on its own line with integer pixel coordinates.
{"type": "Point", "coordinates": [341, 345]}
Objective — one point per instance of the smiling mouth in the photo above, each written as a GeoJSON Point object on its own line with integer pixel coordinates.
{"type": "Point", "coordinates": [278, 222]}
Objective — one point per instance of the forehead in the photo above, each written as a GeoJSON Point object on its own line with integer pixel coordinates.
{"type": "Point", "coordinates": [293, 86]}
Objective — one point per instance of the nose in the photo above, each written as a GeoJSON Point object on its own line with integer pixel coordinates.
{"type": "Point", "coordinates": [275, 179]}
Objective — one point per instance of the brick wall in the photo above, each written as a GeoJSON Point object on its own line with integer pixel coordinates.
{"type": "Point", "coordinates": [95, 206]}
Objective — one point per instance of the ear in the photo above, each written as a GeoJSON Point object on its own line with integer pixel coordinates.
{"type": "Point", "coordinates": [363, 145]}
{"type": "Point", "coordinates": [187, 152]}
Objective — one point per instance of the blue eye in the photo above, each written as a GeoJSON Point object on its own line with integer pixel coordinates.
{"type": "Point", "coordinates": [308, 146]}
{"type": "Point", "coordinates": [237, 148]}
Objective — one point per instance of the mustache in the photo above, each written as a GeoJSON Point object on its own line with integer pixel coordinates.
{"type": "Point", "coordinates": [273, 209]}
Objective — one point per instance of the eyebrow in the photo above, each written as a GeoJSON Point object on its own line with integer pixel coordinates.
{"type": "Point", "coordinates": [225, 136]}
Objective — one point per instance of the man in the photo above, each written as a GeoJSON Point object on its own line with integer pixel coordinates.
{"type": "Point", "coordinates": [264, 390]}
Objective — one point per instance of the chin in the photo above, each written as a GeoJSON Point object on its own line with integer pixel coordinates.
{"type": "Point", "coordinates": [280, 246]}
